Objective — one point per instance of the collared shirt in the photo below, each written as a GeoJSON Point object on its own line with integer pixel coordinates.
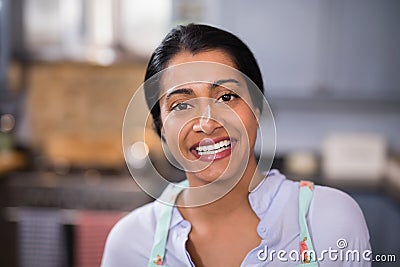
{"type": "Point", "coordinates": [336, 224]}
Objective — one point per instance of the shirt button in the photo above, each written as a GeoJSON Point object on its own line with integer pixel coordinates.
{"type": "Point", "coordinates": [262, 229]}
{"type": "Point", "coordinates": [185, 224]}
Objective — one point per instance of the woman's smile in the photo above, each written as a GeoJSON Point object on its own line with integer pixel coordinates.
{"type": "Point", "coordinates": [213, 149]}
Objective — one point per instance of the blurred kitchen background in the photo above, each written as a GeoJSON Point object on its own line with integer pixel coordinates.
{"type": "Point", "coordinates": [68, 69]}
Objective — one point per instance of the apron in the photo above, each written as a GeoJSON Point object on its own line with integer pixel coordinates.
{"type": "Point", "coordinates": [305, 195]}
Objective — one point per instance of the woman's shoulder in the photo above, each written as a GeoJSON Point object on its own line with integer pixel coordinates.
{"type": "Point", "coordinates": [336, 206]}
{"type": "Point", "coordinates": [138, 220]}
{"type": "Point", "coordinates": [131, 238]}
{"type": "Point", "coordinates": [327, 203]}
{"type": "Point", "coordinates": [335, 216]}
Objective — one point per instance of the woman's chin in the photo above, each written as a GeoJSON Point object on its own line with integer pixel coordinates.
{"type": "Point", "coordinates": [214, 174]}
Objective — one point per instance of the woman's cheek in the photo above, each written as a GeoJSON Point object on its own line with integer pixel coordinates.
{"type": "Point", "coordinates": [174, 131]}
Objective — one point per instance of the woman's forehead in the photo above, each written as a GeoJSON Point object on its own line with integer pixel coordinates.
{"type": "Point", "coordinates": [213, 55]}
{"type": "Point", "coordinates": [201, 72]}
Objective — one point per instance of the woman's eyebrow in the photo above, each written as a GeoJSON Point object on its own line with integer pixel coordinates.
{"type": "Point", "coordinates": [188, 91]}
{"type": "Point", "coordinates": [221, 82]}
{"type": "Point", "coordinates": [184, 91]}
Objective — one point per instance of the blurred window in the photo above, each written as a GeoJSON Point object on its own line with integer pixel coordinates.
{"type": "Point", "coordinates": [143, 24]}
{"type": "Point", "coordinates": [93, 29]}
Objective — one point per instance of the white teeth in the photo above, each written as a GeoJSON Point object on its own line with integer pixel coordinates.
{"type": "Point", "coordinates": [213, 149]}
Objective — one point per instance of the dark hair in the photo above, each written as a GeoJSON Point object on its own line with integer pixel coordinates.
{"type": "Point", "coordinates": [196, 38]}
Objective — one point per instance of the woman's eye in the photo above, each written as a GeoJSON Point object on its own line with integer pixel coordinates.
{"type": "Point", "coordinates": [226, 97]}
{"type": "Point", "coordinates": [181, 106]}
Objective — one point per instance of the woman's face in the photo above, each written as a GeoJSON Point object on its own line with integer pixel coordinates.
{"type": "Point", "coordinates": [209, 125]}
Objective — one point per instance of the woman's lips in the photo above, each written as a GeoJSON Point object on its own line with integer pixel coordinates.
{"type": "Point", "coordinates": [213, 149]}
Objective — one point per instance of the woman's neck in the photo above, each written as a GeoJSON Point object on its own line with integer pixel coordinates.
{"type": "Point", "coordinates": [233, 202]}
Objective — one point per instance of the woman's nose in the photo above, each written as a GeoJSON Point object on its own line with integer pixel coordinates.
{"type": "Point", "coordinates": [206, 125]}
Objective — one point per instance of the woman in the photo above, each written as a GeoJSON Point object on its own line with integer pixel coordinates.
{"type": "Point", "coordinates": [257, 214]}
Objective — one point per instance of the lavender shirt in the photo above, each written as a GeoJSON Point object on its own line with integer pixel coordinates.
{"type": "Point", "coordinates": [336, 224]}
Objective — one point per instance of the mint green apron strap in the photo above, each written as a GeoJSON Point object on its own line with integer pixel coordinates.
{"type": "Point", "coordinates": [160, 237]}
{"type": "Point", "coordinates": [308, 258]}
{"type": "Point", "coordinates": [163, 224]}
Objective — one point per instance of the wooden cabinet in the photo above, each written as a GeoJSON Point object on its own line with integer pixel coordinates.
{"type": "Point", "coordinates": [76, 111]}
